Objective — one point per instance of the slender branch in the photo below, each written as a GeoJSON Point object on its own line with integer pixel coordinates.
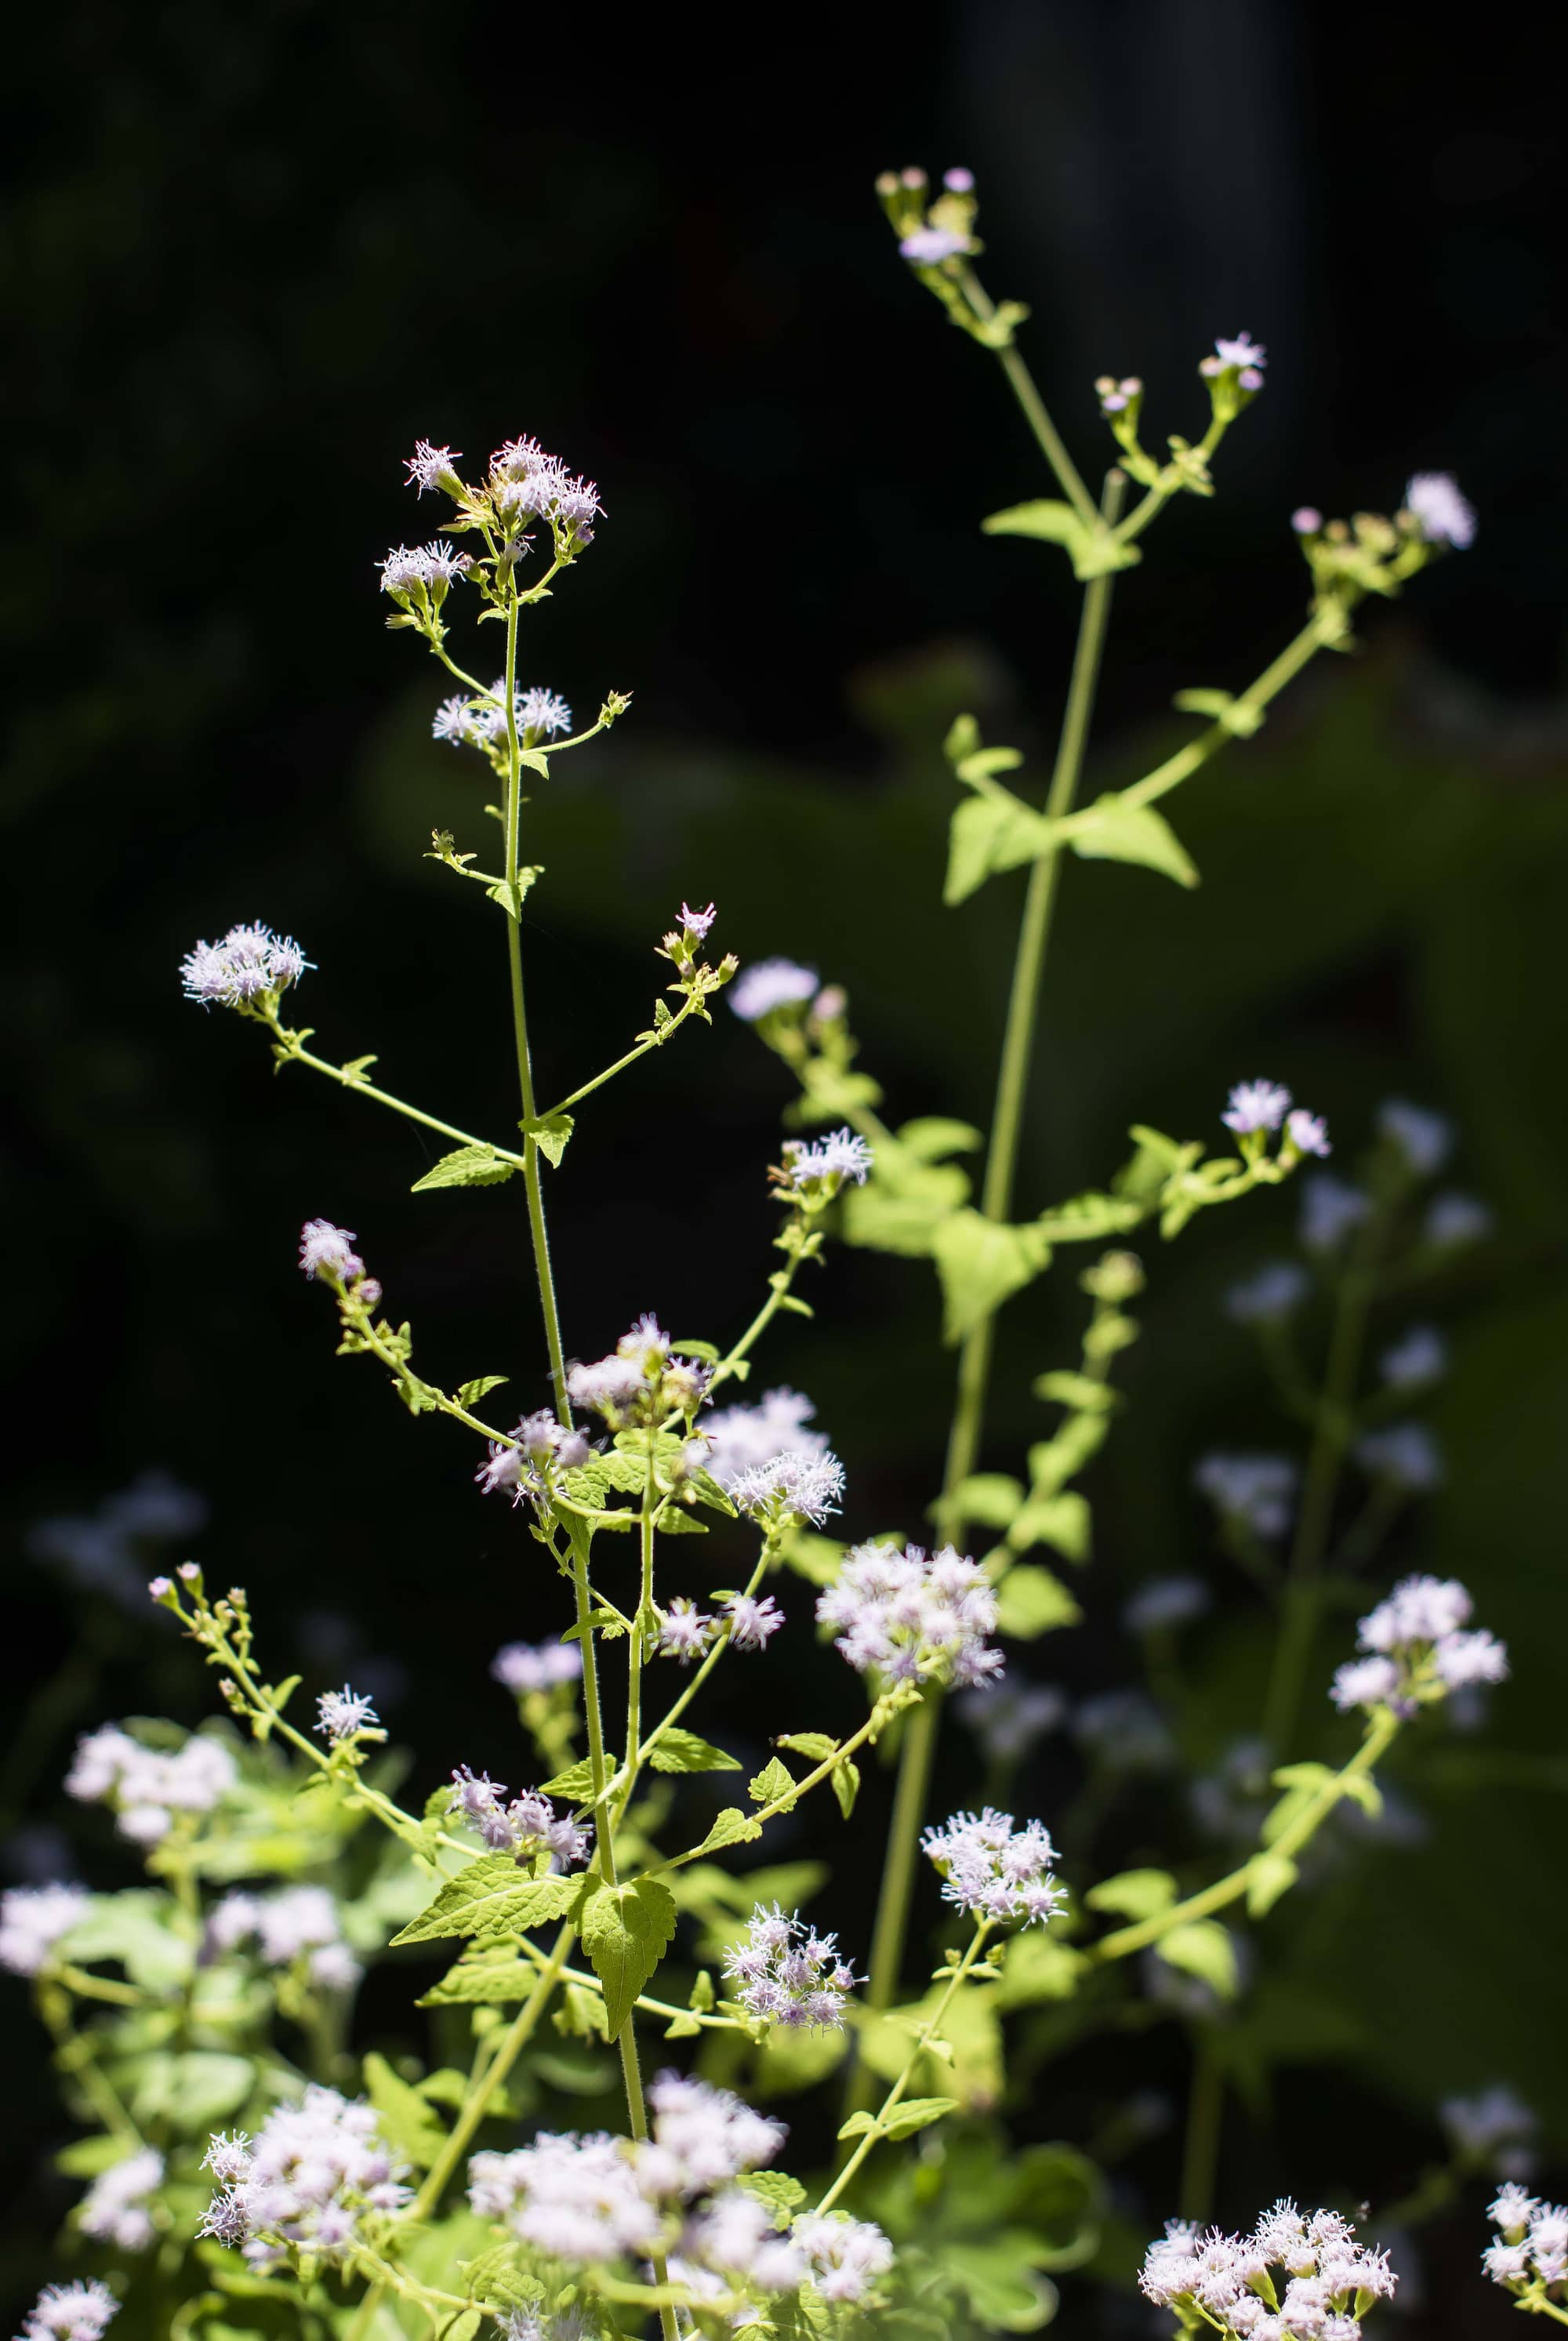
{"type": "Point", "coordinates": [297, 1053]}
{"type": "Point", "coordinates": [876, 1723]}
{"type": "Point", "coordinates": [519, 2032]}
{"type": "Point", "coordinates": [927, 2033]}
{"type": "Point", "coordinates": [1069, 478]}
{"type": "Point", "coordinates": [655, 1041]}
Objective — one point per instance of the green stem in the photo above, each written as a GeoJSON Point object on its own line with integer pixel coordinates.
{"type": "Point", "coordinates": [926, 2034]}
{"type": "Point", "coordinates": [531, 1175]}
{"type": "Point", "coordinates": [519, 2032]}
{"type": "Point", "coordinates": [621, 1063]}
{"type": "Point", "coordinates": [1205, 2116]}
{"type": "Point", "coordinates": [874, 1723]}
{"type": "Point", "coordinates": [918, 1751]}
{"type": "Point", "coordinates": [1068, 476]}
{"type": "Point", "coordinates": [299, 1055]}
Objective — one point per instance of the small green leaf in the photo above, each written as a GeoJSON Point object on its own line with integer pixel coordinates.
{"type": "Point", "coordinates": [781, 2193]}
{"type": "Point", "coordinates": [550, 1135]}
{"type": "Point", "coordinates": [991, 1497]}
{"type": "Point", "coordinates": [682, 1751]}
{"type": "Point", "coordinates": [89, 2157]}
{"type": "Point", "coordinates": [1135, 1894]}
{"type": "Point", "coordinates": [469, 1394]}
{"type": "Point", "coordinates": [962, 740]}
{"type": "Point", "coordinates": [1270, 1875]}
{"type": "Point", "coordinates": [845, 1779]}
{"type": "Point", "coordinates": [774, 1780]}
{"type": "Point", "coordinates": [1113, 830]}
{"type": "Point", "coordinates": [989, 834]}
{"type": "Point", "coordinates": [491, 1896]}
{"type": "Point", "coordinates": [732, 1827]}
{"type": "Point", "coordinates": [1055, 524]}
{"type": "Point", "coordinates": [917, 2113]}
{"type": "Point", "coordinates": [1030, 1601]}
{"type": "Point", "coordinates": [483, 1980]}
{"type": "Point", "coordinates": [626, 1930]}
{"type": "Point", "coordinates": [356, 1068]}
{"type": "Point", "coordinates": [1062, 1521]}
{"type": "Point", "coordinates": [818, 1745]}
{"type": "Point", "coordinates": [817, 1558]}
{"type": "Point", "coordinates": [466, 1166]}
{"type": "Point", "coordinates": [1084, 1219]}
{"type": "Point", "coordinates": [1205, 1949]}
{"type": "Point", "coordinates": [576, 1782]}
{"type": "Point", "coordinates": [932, 1136]}
{"type": "Point", "coordinates": [1080, 1391]}
{"type": "Point", "coordinates": [981, 1264]}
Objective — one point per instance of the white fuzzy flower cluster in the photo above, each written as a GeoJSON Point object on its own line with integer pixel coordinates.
{"type": "Point", "coordinates": [339, 1714]}
{"type": "Point", "coordinates": [423, 574]}
{"type": "Point", "coordinates": [995, 1870]}
{"type": "Point", "coordinates": [147, 1786]}
{"type": "Point", "coordinates": [317, 2172]}
{"type": "Point", "coordinates": [32, 1918]}
{"type": "Point", "coordinates": [525, 483]}
{"type": "Point", "coordinates": [592, 2200]}
{"type": "Point", "coordinates": [1255, 1108]}
{"type": "Point", "coordinates": [529, 1823]}
{"type": "Point", "coordinates": [641, 1381]}
{"type": "Point", "coordinates": [1294, 2278]}
{"type": "Point", "coordinates": [793, 1485]}
{"type": "Point", "coordinates": [1255, 1492]}
{"type": "Point", "coordinates": [529, 1464]}
{"type": "Point", "coordinates": [298, 1922]}
{"type": "Point", "coordinates": [116, 2208]}
{"type": "Point", "coordinates": [816, 1172]}
{"type": "Point", "coordinates": [1441, 514]}
{"type": "Point", "coordinates": [522, 1667]}
{"type": "Point", "coordinates": [70, 2312]}
{"type": "Point", "coordinates": [745, 1438]}
{"type": "Point", "coordinates": [901, 1616]}
{"type": "Point", "coordinates": [249, 963]}
{"type": "Point", "coordinates": [466, 723]}
{"type": "Point", "coordinates": [1242, 356]}
{"type": "Point", "coordinates": [767, 985]}
{"type": "Point", "coordinates": [788, 1973]}
{"type": "Point", "coordinates": [1529, 2257]}
{"type": "Point", "coordinates": [1419, 1649]}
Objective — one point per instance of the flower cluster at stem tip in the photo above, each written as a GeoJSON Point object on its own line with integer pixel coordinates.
{"type": "Point", "coordinates": [1294, 2279]}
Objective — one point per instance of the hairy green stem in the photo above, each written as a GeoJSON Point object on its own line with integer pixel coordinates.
{"type": "Point", "coordinates": [922, 2040]}
{"type": "Point", "coordinates": [1035, 412]}
{"type": "Point", "coordinates": [518, 2034]}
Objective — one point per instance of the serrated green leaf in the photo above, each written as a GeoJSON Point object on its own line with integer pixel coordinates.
{"type": "Point", "coordinates": [1113, 830]}
{"type": "Point", "coordinates": [989, 834]}
{"type": "Point", "coordinates": [491, 1896]}
{"type": "Point", "coordinates": [991, 1497]}
{"type": "Point", "coordinates": [626, 1930]}
{"type": "Point", "coordinates": [732, 1827]}
{"type": "Point", "coordinates": [483, 1980]}
{"type": "Point", "coordinates": [1030, 1601]}
{"type": "Point", "coordinates": [981, 1264]}
{"type": "Point", "coordinates": [781, 2193]}
{"type": "Point", "coordinates": [916, 2114]}
{"type": "Point", "coordinates": [818, 1745]}
{"type": "Point", "coordinates": [466, 1166]}
{"type": "Point", "coordinates": [1135, 1894]}
{"type": "Point", "coordinates": [1204, 1949]}
{"type": "Point", "coordinates": [875, 1217]}
{"type": "Point", "coordinates": [1062, 1521]}
{"type": "Point", "coordinates": [774, 1780]}
{"type": "Point", "coordinates": [576, 1782]}
{"type": "Point", "coordinates": [469, 1394]}
{"type": "Point", "coordinates": [682, 1751]}
{"type": "Point", "coordinates": [550, 1135]}
{"type": "Point", "coordinates": [932, 1136]}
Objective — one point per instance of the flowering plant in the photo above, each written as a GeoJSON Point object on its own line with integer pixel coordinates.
{"type": "Point", "coordinates": [249, 2168]}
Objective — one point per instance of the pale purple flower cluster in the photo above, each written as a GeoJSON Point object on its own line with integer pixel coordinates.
{"type": "Point", "coordinates": [1531, 2254]}
{"type": "Point", "coordinates": [685, 1631]}
{"type": "Point", "coordinates": [433, 467]}
{"type": "Point", "coordinates": [341, 1713]}
{"type": "Point", "coordinates": [1242, 356]}
{"type": "Point", "coordinates": [482, 723]}
{"type": "Point", "coordinates": [428, 570]}
{"type": "Point", "coordinates": [1439, 512]}
{"type": "Point", "coordinates": [742, 1439]}
{"type": "Point", "coordinates": [525, 483]}
{"type": "Point", "coordinates": [846, 2254]}
{"type": "Point", "coordinates": [995, 1870]}
{"type": "Point", "coordinates": [522, 1667]}
{"type": "Point", "coordinates": [297, 1922]}
{"type": "Point", "coordinates": [793, 1485]}
{"type": "Point", "coordinates": [1294, 2278]}
{"type": "Point", "coordinates": [769, 984]}
{"type": "Point", "coordinates": [328, 1252]}
{"type": "Point", "coordinates": [32, 1918]}
{"type": "Point", "coordinates": [786, 1973]}
{"type": "Point", "coordinates": [1257, 1106]}
{"type": "Point", "coordinates": [696, 924]}
{"type": "Point", "coordinates": [1115, 396]}
{"type": "Point", "coordinates": [149, 1785]}
{"type": "Point", "coordinates": [1405, 1454]}
{"type": "Point", "coordinates": [1269, 1295]}
{"type": "Point", "coordinates": [1255, 1492]}
{"type": "Point", "coordinates": [316, 2171]}
{"type": "Point", "coordinates": [249, 963]}
{"type": "Point", "coordinates": [641, 1381]}
{"type": "Point", "coordinates": [116, 2207]}
{"type": "Point", "coordinates": [1418, 1649]}
{"type": "Point", "coordinates": [751, 1622]}
{"type": "Point", "coordinates": [818, 1172]}
{"type": "Point", "coordinates": [928, 246]}
{"type": "Point", "coordinates": [903, 1615]}
{"type": "Point", "coordinates": [529, 1822]}
{"type": "Point", "coordinates": [70, 2312]}
{"type": "Point", "coordinates": [530, 1462]}
{"type": "Point", "coordinates": [1419, 1355]}
{"type": "Point", "coordinates": [1331, 1210]}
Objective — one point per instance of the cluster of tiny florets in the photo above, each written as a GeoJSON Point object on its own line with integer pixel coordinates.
{"type": "Point", "coordinates": [1441, 514]}
{"type": "Point", "coordinates": [148, 1787]}
{"type": "Point", "coordinates": [786, 1973]}
{"type": "Point", "coordinates": [317, 2171]}
{"type": "Point", "coordinates": [1529, 2257]}
{"type": "Point", "coordinates": [1419, 1649]}
{"type": "Point", "coordinates": [1294, 2278]}
{"type": "Point", "coordinates": [685, 1631]}
{"type": "Point", "coordinates": [768, 985]}
{"type": "Point", "coordinates": [249, 963]}
{"type": "Point", "coordinates": [341, 1713]}
{"type": "Point", "coordinates": [530, 1463]}
{"type": "Point", "coordinates": [524, 1667]}
{"type": "Point", "coordinates": [32, 1918]}
{"type": "Point", "coordinates": [1256, 1107]}
{"type": "Point", "coordinates": [741, 1439]}
{"type": "Point", "coordinates": [117, 2208]}
{"type": "Point", "coordinates": [793, 1485]}
{"type": "Point", "coordinates": [296, 1923]}
{"type": "Point", "coordinates": [529, 1823]}
{"type": "Point", "coordinates": [466, 723]}
{"type": "Point", "coordinates": [816, 1172]}
{"type": "Point", "coordinates": [901, 1615]}
{"type": "Point", "coordinates": [70, 2312]}
{"type": "Point", "coordinates": [1243, 357]}
{"type": "Point", "coordinates": [641, 1381]}
{"type": "Point", "coordinates": [423, 572]}
{"type": "Point", "coordinates": [751, 1622]}
{"type": "Point", "coordinates": [995, 1870]}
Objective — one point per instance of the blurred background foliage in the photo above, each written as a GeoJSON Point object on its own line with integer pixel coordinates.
{"type": "Point", "coordinates": [253, 255]}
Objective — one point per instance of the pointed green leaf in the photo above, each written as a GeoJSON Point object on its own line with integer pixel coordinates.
{"type": "Point", "coordinates": [988, 834]}
{"type": "Point", "coordinates": [1135, 1894]}
{"type": "Point", "coordinates": [1084, 1219]}
{"type": "Point", "coordinates": [467, 1166]}
{"type": "Point", "coordinates": [469, 1394]}
{"type": "Point", "coordinates": [774, 1780]}
{"type": "Point", "coordinates": [818, 1745]}
{"type": "Point", "coordinates": [491, 1895]}
{"type": "Point", "coordinates": [981, 1264]}
{"type": "Point", "coordinates": [1111, 830]}
{"type": "Point", "coordinates": [626, 1930]}
{"type": "Point", "coordinates": [550, 1135]}
{"type": "Point", "coordinates": [844, 1782]}
{"type": "Point", "coordinates": [576, 1782]}
{"type": "Point", "coordinates": [1204, 1949]}
{"type": "Point", "coordinates": [404, 2117]}
{"type": "Point", "coordinates": [1270, 1875]}
{"type": "Point", "coordinates": [1030, 1601]}
{"type": "Point", "coordinates": [732, 1827]}
{"type": "Point", "coordinates": [1062, 1521]}
{"type": "Point", "coordinates": [682, 1751]}
{"type": "Point", "coordinates": [1055, 524]}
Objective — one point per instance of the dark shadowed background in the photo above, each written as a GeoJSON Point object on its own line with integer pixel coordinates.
{"type": "Point", "coordinates": [253, 255]}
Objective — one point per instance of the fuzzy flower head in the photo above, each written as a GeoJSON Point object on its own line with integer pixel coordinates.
{"type": "Point", "coordinates": [786, 1973]}
{"type": "Point", "coordinates": [771, 985]}
{"type": "Point", "coordinates": [1531, 2254]}
{"type": "Point", "coordinates": [433, 467]}
{"type": "Point", "coordinates": [1267, 1298]}
{"type": "Point", "coordinates": [1418, 1649]}
{"type": "Point", "coordinates": [525, 485]}
{"type": "Point", "coordinates": [340, 1714]}
{"type": "Point", "coordinates": [328, 1252]}
{"type": "Point", "coordinates": [117, 2208]}
{"type": "Point", "coordinates": [421, 576]}
{"type": "Point", "coordinates": [249, 965]}
{"type": "Point", "coordinates": [742, 1439]}
{"type": "Point", "coordinates": [148, 1788]}
{"type": "Point", "coordinates": [792, 1486]}
{"type": "Point", "coordinates": [525, 1827]}
{"type": "Point", "coordinates": [1441, 514]}
{"type": "Point", "coordinates": [298, 1925]}
{"type": "Point", "coordinates": [642, 1382]}
{"type": "Point", "coordinates": [751, 1623]}
{"type": "Point", "coordinates": [70, 2312]}
{"type": "Point", "coordinates": [318, 2172]}
{"type": "Point", "coordinates": [927, 247]}
{"type": "Point", "coordinates": [530, 1462]}
{"type": "Point", "coordinates": [814, 1174]}
{"type": "Point", "coordinates": [846, 2256]}
{"type": "Point", "coordinates": [1255, 1106]}
{"type": "Point", "coordinates": [995, 1870]}
{"type": "Point", "coordinates": [1254, 1492]}
{"type": "Point", "coordinates": [32, 1918]}
{"type": "Point", "coordinates": [1295, 2275]}
{"type": "Point", "coordinates": [523, 1667]}
{"type": "Point", "coordinates": [1234, 373]}
{"type": "Point", "coordinates": [901, 1616]}
{"type": "Point", "coordinates": [685, 1631]}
